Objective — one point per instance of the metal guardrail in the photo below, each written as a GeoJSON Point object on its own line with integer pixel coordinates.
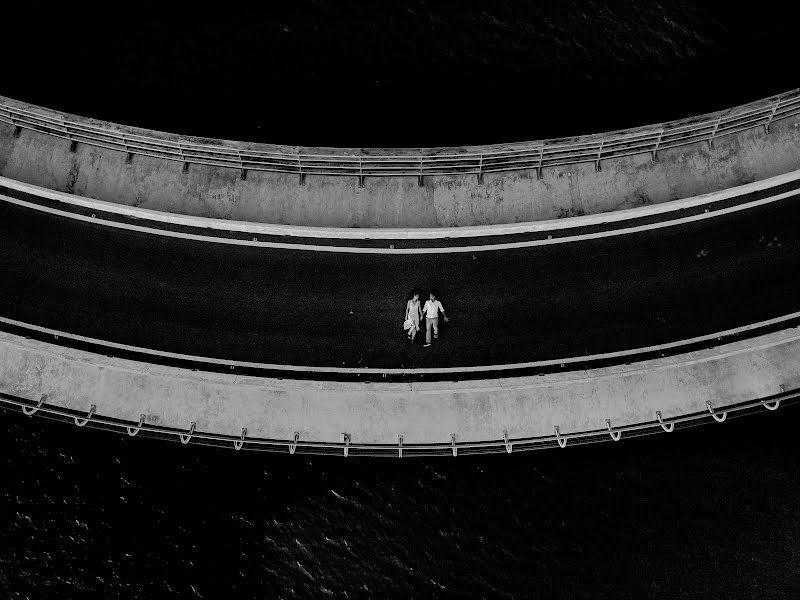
{"type": "Point", "coordinates": [419, 163]}
{"type": "Point", "coordinates": [347, 447]}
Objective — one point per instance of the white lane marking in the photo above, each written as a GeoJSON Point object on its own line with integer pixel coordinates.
{"type": "Point", "coordinates": [402, 251]}
{"type": "Point", "coordinates": [378, 371]}
{"type": "Point", "coordinates": [416, 234]}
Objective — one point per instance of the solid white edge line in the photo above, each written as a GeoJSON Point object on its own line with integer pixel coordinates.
{"type": "Point", "coordinates": [379, 371]}
{"type": "Point", "coordinates": [414, 234]}
{"type": "Point", "coordinates": [403, 251]}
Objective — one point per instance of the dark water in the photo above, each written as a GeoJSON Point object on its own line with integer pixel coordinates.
{"type": "Point", "coordinates": [707, 513]}
{"type": "Point", "coordinates": [408, 73]}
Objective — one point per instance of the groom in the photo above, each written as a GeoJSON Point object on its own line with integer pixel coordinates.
{"type": "Point", "coordinates": [431, 310]}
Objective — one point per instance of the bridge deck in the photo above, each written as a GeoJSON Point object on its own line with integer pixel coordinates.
{"type": "Point", "coordinates": [310, 308]}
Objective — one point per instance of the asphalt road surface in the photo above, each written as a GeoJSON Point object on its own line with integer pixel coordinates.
{"type": "Point", "coordinates": [328, 309]}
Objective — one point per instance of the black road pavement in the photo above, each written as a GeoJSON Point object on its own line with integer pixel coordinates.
{"type": "Point", "coordinates": [330, 309]}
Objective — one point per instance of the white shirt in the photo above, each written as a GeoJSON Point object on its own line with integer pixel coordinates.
{"type": "Point", "coordinates": [431, 309]}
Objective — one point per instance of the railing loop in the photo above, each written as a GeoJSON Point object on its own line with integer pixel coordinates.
{"type": "Point", "coordinates": [668, 427]}
{"type": "Point", "coordinates": [85, 420]}
{"type": "Point", "coordinates": [237, 444]}
{"type": "Point", "coordinates": [133, 431]}
{"type": "Point", "coordinates": [772, 406]}
{"type": "Point", "coordinates": [185, 437]}
{"type": "Point", "coordinates": [30, 411]}
{"type": "Point", "coordinates": [562, 441]}
{"type": "Point", "coordinates": [615, 435]}
{"type": "Point", "coordinates": [718, 417]}
{"type": "Point", "coordinates": [293, 445]}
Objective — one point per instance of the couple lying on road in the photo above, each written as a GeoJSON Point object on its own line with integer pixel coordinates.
{"type": "Point", "coordinates": [414, 313]}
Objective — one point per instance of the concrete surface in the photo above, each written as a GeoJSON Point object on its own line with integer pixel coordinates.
{"type": "Point", "coordinates": [410, 240]}
{"type": "Point", "coordinates": [421, 412]}
{"type": "Point", "coordinates": [444, 201]}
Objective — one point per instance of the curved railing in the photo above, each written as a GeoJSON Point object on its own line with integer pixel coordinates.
{"type": "Point", "coordinates": [347, 447]}
{"type": "Point", "coordinates": [419, 163]}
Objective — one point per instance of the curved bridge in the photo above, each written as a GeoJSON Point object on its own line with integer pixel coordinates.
{"type": "Point", "coordinates": [700, 294]}
{"type": "Point", "coordinates": [559, 291]}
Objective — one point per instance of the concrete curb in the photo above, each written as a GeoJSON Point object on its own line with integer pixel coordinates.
{"type": "Point", "coordinates": [494, 237]}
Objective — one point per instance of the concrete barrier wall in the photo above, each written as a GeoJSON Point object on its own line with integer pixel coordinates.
{"type": "Point", "coordinates": [421, 412]}
{"type": "Point", "coordinates": [444, 201]}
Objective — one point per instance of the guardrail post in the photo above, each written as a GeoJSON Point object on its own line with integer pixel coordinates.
{"type": "Point", "coordinates": [541, 159]}
{"type": "Point", "coordinates": [183, 158]}
{"type": "Point", "coordinates": [17, 128]}
{"type": "Point", "coordinates": [772, 116]}
{"type": "Point", "coordinates": [73, 144]}
{"type": "Point", "coordinates": [562, 441]}
{"type": "Point", "coordinates": [509, 446]}
{"type": "Point", "coordinates": [654, 153]}
{"type": "Point", "coordinates": [346, 442]}
{"type": "Point", "coordinates": [360, 173]}
{"type": "Point", "coordinates": [128, 153]}
{"type": "Point", "coordinates": [597, 166]}
{"type": "Point", "coordinates": [237, 444]}
{"type": "Point", "coordinates": [420, 180]}
{"type": "Point", "coordinates": [453, 444]}
{"type": "Point", "coordinates": [713, 133]}
{"type": "Point", "coordinates": [400, 446]}
{"type": "Point", "coordinates": [293, 445]}
{"type": "Point", "coordinates": [300, 169]}
{"type": "Point", "coordinates": [243, 173]}
{"type": "Point", "coordinates": [480, 169]}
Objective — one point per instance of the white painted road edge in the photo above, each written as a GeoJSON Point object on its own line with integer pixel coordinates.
{"type": "Point", "coordinates": [378, 371]}
{"type": "Point", "coordinates": [400, 251]}
{"type": "Point", "coordinates": [436, 233]}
